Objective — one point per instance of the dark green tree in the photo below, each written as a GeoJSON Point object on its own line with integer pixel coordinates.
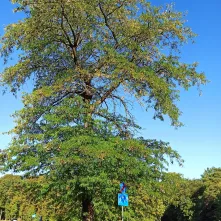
{"type": "Point", "coordinates": [196, 200]}
{"type": "Point", "coordinates": [86, 61]}
{"type": "Point", "coordinates": [184, 195]}
{"type": "Point", "coordinates": [208, 202]}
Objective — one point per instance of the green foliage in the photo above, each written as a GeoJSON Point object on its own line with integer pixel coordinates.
{"type": "Point", "coordinates": [99, 51]}
{"type": "Point", "coordinates": [178, 198]}
{"type": "Point", "coordinates": [87, 61]}
{"type": "Point", "coordinates": [208, 205]}
{"type": "Point", "coordinates": [9, 200]}
{"type": "Point", "coordinates": [97, 167]}
{"type": "Point", "coordinates": [181, 206]}
{"type": "Point", "coordinates": [195, 200]}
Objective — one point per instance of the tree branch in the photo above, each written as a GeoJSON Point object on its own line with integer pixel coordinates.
{"type": "Point", "coordinates": [107, 24]}
{"type": "Point", "coordinates": [107, 94]}
{"type": "Point", "coordinates": [116, 8]}
{"type": "Point", "coordinates": [124, 104]}
{"type": "Point", "coordinates": [65, 16]}
{"type": "Point", "coordinates": [64, 31]}
{"type": "Point", "coordinates": [72, 45]}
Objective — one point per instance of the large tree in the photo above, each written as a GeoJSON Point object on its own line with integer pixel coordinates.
{"type": "Point", "coordinates": [86, 61]}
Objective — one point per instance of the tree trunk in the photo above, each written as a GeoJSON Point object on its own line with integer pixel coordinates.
{"type": "Point", "coordinates": [87, 206]}
{"type": "Point", "coordinates": [87, 210]}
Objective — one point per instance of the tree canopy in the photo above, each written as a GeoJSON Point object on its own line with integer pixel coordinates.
{"type": "Point", "coordinates": [87, 61]}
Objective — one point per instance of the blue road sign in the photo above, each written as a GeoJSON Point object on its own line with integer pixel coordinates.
{"type": "Point", "coordinates": [123, 199]}
{"type": "Point", "coordinates": [122, 188]}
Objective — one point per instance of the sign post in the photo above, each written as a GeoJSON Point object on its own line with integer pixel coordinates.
{"type": "Point", "coordinates": [123, 198]}
{"type": "Point", "coordinates": [122, 213]}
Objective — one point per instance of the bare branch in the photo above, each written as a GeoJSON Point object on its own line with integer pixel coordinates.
{"type": "Point", "coordinates": [123, 102]}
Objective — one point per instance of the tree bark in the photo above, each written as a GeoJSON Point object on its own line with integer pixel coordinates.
{"type": "Point", "coordinates": [87, 206]}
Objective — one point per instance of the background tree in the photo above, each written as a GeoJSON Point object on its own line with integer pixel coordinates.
{"type": "Point", "coordinates": [20, 198]}
{"type": "Point", "coordinates": [10, 188]}
{"type": "Point", "coordinates": [195, 200]}
{"type": "Point", "coordinates": [208, 204]}
{"type": "Point", "coordinates": [184, 194]}
{"type": "Point", "coordinates": [87, 60]}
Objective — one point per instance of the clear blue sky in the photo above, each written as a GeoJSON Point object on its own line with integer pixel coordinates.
{"type": "Point", "coordinates": [199, 141]}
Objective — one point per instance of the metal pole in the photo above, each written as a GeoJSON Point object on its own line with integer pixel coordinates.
{"type": "Point", "coordinates": [122, 213]}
